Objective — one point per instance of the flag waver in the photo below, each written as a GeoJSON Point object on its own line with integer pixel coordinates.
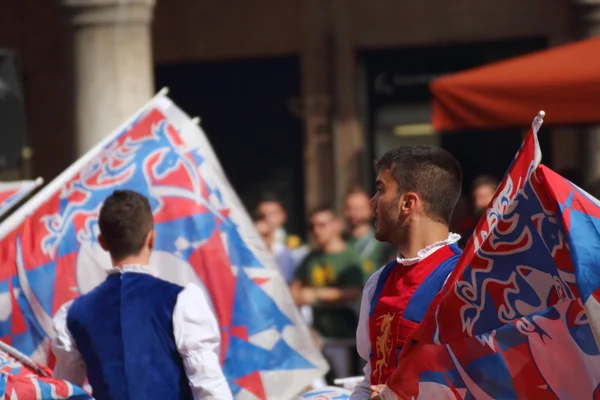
{"type": "Point", "coordinates": [517, 316]}
{"type": "Point", "coordinates": [50, 253]}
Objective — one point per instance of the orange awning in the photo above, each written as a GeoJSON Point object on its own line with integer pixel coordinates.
{"type": "Point", "coordinates": [564, 81]}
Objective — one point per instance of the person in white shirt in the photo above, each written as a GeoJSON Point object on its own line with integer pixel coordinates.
{"type": "Point", "coordinates": [136, 336]}
{"type": "Point", "coordinates": [278, 250]}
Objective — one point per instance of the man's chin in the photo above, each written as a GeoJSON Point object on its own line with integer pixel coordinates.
{"type": "Point", "coordinates": [380, 235]}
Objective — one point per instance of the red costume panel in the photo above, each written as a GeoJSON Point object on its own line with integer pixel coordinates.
{"type": "Point", "coordinates": [401, 298]}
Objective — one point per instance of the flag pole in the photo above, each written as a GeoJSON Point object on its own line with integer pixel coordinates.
{"type": "Point", "coordinates": [10, 223]}
{"type": "Point", "coordinates": [22, 358]}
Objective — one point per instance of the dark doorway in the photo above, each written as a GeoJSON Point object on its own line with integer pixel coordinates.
{"type": "Point", "coordinates": [243, 106]}
{"type": "Point", "coordinates": [397, 77]}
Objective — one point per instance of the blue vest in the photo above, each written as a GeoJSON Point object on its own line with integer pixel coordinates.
{"type": "Point", "coordinates": [124, 332]}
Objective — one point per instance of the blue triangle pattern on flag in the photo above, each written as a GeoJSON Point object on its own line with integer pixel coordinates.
{"type": "Point", "coordinates": [239, 253]}
{"type": "Point", "coordinates": [286, 358]}
{"type": "Point", "coordinates": [281, 357]}
{"type": "Point", "coordinates": [250, 295]}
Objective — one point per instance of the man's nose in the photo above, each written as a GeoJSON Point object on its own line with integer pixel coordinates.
{"type": "Point", "coordinates": [372, 202]}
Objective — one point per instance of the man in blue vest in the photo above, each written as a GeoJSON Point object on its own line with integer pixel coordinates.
{"type": "Point", "coordinates": [136, 336]}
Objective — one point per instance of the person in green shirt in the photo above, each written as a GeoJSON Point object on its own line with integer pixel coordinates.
{"type": "Point", "coordinates": [330, 280]}
{"type": "Point", "coordinates": [360, 233]}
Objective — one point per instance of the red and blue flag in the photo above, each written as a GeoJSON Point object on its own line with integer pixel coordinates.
{"type": "Point", "coordinates": [23, 379]}
{"type": "Point", "coordinates": [519, 316]}
{"type": "Point", "coordinates": [50, 254]}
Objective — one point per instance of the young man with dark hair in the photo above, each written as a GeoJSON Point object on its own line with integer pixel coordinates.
{"type": "Point", "coordinates": [281, 254]}
{"type": "Point", "coordinates": [136, 336]}
{"type": "Point", "coordinates": [271, 209]}
{"type": "Point", "coordinates": [330, 281]}
{"type": "Point", "coordinates": [417, 190]}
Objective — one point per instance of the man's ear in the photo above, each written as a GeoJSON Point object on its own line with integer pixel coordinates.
{"type": "Point", "coordinates": [102, 243]}
{"type": "Point", "coordinates": [408, 202]}
{"type": "Point", "coordinates": [150, 239]}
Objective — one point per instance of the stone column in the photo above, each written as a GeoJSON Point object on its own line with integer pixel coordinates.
{"type": "Point", "coordinates": [315, 107]}
{"type": "Point", "coordinates": [588, 26]}
{"type": "Point", "coordinates": [348, 141]}
{"type": "Point", "coordinates": [112, 60]}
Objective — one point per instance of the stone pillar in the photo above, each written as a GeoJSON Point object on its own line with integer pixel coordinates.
{"type": "Point", "coordinates": [315, 107]}
{"type": "Point", "coordinates": [348, 141]}
{"type": "Point", "coordinates": [112, 60]}
{"type": "Point", "coordinates": [588, 26]}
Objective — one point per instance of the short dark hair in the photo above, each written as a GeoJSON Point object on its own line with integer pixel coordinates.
{"type": "Point", "coordinates": [484, 180]}
{"type": "Point", "coordinates": [324, 208]}
{"type": "Point", "coordinates": [269, 197]}
{"type": "Point", "coordinates": [357, 189]}
{"type": "Point", "coordinates": [125, 220]}
{"type": "Point", "coordinates": [431, 172]}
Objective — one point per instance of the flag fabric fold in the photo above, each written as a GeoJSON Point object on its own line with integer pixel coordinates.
{"type": "Point", "coordinates": [518, 316]}
{"type": "Point", "coordinates": [50, 254]}
{"type": "Point", "coordinates": [23, 379]}
{"type": "Point", "coordinates": [13, 192]}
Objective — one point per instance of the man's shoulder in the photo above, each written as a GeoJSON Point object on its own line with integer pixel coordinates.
{"type": "Point", "coordinates": [158, 281]}
{"type": "Point", "coordinates": [373, 280]}
{"type": "Point", "coordinates": [454, 254]}
{"type": "Point", "coordinates": [311, 258]}
{"type": "Point", "coordinates": [156, 284]}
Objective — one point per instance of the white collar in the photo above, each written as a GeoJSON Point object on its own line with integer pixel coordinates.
{"type": "Point", "coordinates": [428, 250]}
{"type": "Point", "coordinates": [135, 268]}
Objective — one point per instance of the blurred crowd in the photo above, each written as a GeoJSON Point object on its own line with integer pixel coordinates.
{"type": "Point", "coordinates": [326, 273]}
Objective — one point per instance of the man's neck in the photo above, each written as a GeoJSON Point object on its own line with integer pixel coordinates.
{"type": "Point", "coordinates": [419, 237]}
{"type": "Point", "coordinates": [361, 230]}
{"type": "Point", "coordinates": [334, 246]}
{"type": "Point", "coordinates": [270, 241]}
{"type": "Point", "coordinates": [137, 260]}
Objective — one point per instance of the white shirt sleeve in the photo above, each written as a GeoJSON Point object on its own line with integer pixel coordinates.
{"type": "Point", "coordinates": [198, 341]}
{"type": "Point", "coordinates": [362, 391]}
{"type": "Point", "coordinates": [69, 363]}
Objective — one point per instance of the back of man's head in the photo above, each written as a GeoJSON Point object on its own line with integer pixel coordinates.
{"type": "Point", "coordinates": [429, 171]}
{"type": "Point", "coordinates": [125, 222]}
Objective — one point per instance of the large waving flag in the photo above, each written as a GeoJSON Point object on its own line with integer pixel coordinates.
{"type": "Point", "coordinates": [518, 316]}
{"type": "Point", "coordinates": [22, 379]}
{"type": "Point", "coordinates": [13, 192]}
{"type": "Point", "coordinates": [49, 253]}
